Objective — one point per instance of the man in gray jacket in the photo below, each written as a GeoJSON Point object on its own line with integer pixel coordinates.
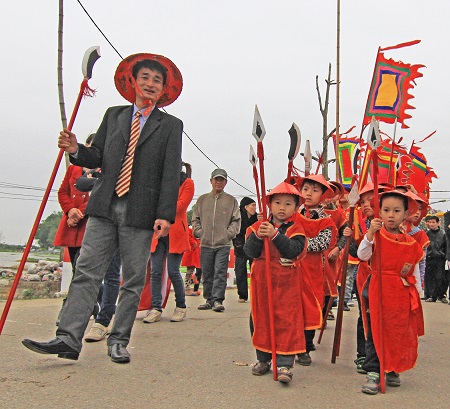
{"type": "Point", "coordinates": [216, 220]}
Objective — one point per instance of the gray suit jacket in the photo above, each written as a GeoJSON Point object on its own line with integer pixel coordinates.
{"type": "Point", "coordinates": [156, 170]}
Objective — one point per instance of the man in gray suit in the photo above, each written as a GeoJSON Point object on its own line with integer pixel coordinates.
{"type": "Point", "coordinates": [138, 148]}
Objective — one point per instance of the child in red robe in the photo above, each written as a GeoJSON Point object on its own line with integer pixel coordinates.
{"type": "Point", "coordinates": [321, 233]}
{"type": "Point", "coordinates": [287, 244]}
{"type": "Point", "coordinates": [401, 312]}
{"type": "Point", "coordinates": [419, 235]}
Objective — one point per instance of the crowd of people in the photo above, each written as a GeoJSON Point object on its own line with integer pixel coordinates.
{"type": "Point", "coordinates": [137, 211]}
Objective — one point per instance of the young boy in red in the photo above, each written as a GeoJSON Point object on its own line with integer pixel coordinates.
{"type": "Point", "coordinates": [401, 312]}
{"type": "Point", "coordinates": [287, 244]}
{"type": "Point", "coordinates": [321, 233]}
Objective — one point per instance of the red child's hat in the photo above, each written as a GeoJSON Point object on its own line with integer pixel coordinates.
{"type": "Point", "coordinates": [284, 188]}
{"type": "Point", "coordinates": [329, 192]}
{"type": "Point", "coordinates": [419, 198]}
{"type": "Point", "coordinates": [412, 203]}
{"type": "Point", "coordinates": [368, 187]}
{"type": "Point", "coordinates": [338, 188]}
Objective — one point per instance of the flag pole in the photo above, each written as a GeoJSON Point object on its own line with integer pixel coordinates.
{"type": "Point", "coordinates": [391, 159]}
{"type": "Point", "coordinates": [338, 87]}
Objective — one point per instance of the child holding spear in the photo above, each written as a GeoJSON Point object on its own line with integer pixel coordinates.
{"type": "Point", "coordinates": [402, 311]}
{"type": "Point", "coordinates": [287, 245]}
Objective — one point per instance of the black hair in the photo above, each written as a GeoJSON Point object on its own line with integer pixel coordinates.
{"type": "Point", "coordinates": [90, 138]}
{"type": "Point", "coordinates": [313, 183]}
{"type": "Point", "coordinates": [296, 198]}
{"type": "Point", "coordinates": [151, 65]}
{"type": "Point", "coordinates": [397, 196]}
{"type": "Point", "coordinates": [187, 174]}
{"type": "Point", "coordinates": [432, 217]}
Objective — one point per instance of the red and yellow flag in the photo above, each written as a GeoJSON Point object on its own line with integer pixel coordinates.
{"type": "Point", "coordinates": [389, 93]}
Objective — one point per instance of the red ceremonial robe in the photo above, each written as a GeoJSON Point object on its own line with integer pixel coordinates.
{"type": "Point", "coordinates": [422, 238]}
{"type": "Point", "coordinates": [402, 310]}
{"type": "Point", "coordinates": [287, 299]}
{"type": "Point", "coordinates": [314, 273]}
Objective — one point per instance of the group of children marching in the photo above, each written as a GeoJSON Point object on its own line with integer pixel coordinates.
{"type": "Point", "coordinates": [296, 255]}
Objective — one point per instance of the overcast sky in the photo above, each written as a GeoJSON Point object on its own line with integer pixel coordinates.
{"type": "Point", "coordinates": [232, 55]}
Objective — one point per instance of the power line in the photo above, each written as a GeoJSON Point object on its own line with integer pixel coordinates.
{"type": "Point", "coordinates": [190, 139]}
{"type": "Point", "coordinates": [8, 185]}
{"type": "Point", "coordinates": [23, 199]}
{"type": "Point", "coordinates": [19, 194]}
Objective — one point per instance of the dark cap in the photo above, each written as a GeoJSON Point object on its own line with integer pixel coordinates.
{"type": "Point", "coordinates": [219, 173]}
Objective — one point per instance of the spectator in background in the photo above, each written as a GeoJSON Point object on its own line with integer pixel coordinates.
{"type": "Point", "coordinates": [447, 237]}
{"type": "Point", "coordinates": [247, 208]}
{"type": "Point", "coordinates": [435, 276]}
{"type": "Point", "coordinates": [191, 260]}
{"type": "Point", "coordinates": [216, 220]}
{"type": "Point", "coordinates": [172, 247]}
{"type": "Point", "coordinates": [72, 226]}
{"type": "Point", "coordinates": [73, 203]}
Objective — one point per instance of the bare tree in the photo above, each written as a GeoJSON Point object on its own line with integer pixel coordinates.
{"type": "Point", "coordinates": [323, 157]}
{"type": "Point", "coordinates": [62, 105]}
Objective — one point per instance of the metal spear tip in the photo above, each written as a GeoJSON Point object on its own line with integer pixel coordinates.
{"type": "Point", "coordinates": [258, 127]}
{"type": "Point", "coordinates": [295, 135]}
{"type": "Point", "coordinates": [252, 156]}
{"type": "Point", "coordinates": [353, 196]}
{"type": "Point", "coordinates": [373, 137]}
{"type": "Point", "coordinates": [91, 55]}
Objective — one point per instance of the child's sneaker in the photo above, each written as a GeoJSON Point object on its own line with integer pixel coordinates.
{"type": "Point", "coordinates": [261, 368]}
{"type": "Point", "coordinates": [372, 385]}
{"type": "Point", "coordinates": [359, 363]}
{"type": "Point", "coordinates": [284, 374]}
{"type": "Point", "coordinates": [304, 359]}
{"type": "Point", "coordinates": [393, 379]}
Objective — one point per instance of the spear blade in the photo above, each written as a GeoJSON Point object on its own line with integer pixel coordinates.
{"type": "Point", "coordinates": [353, 196]}
{"type": "Point", "coordinates": [91, 55]}
{"type": "Point", "coordinates": [296, 138]}
{"type": "Point", "coordinates": [258, 127]}
{"type": "Point", "coordinates": [373, 136]}
{"type": "Point", "coordinates": [252, 156]}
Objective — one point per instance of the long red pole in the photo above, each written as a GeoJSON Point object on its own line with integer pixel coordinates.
{"type": "Point", "coordinates": [39, 213]}
{"type": "Point", "coordinates": [258, 195]}
{"type": "Point", "coordinates": [267, 260]}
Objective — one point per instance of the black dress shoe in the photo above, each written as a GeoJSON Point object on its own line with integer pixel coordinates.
{"type": "Point", "coordinates": [54, 346]}
{"type": "Point", "coordinates": [118, 354]}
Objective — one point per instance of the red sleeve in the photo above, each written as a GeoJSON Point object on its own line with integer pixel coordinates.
{"type": "Point", "coordinates": [185, 195]}
{"type": "Point", "coordinates": [64, 196]}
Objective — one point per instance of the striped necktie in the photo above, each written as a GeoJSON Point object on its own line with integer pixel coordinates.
{"type": "Point", "coordinates": [123, 181]}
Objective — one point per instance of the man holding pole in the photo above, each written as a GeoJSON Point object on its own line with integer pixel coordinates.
{"type": "Point", "coordinates": [138, 148]}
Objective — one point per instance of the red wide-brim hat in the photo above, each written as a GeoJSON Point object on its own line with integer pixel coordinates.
{"type": "Point", "coordinates": [172, 88]}
{"type": "Point", "coordinates": [412, 203]}
{"type": "Point", "coordinates": [329, 192]}
{"type": "Point", "coordinates": [284, 188]}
